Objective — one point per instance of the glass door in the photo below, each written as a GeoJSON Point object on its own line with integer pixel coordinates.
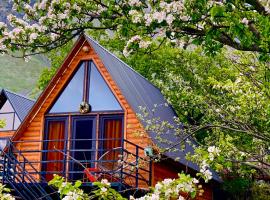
{"type": "Point", "coordinates": [83, 145]}
{"type": "Point", "coordinates": [54, 147]}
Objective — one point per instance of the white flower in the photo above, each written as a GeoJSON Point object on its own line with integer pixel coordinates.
{"type": "Point", "coordinates": [33, 36]}
{"type": "Point", "coordinates": [148, 19]}
{"type": "Point", "coordinates": [134, 2]}
{"type": "Point", "coordinates": [103, 190]}
{"type": "Point", "coordinates": [144, 44]}
{"type": "Point", "coordinates": [169, 19]}
{"type": "Point", "coordinates": [62, 16]}
{"type": "Point", "coordinates": [17, 31]}
{"type": "Point", "coordinates": [168, 192]}
{"type": "Point", "coordinates": [105, 182]}
{"type": "Point", "coordinates": [167, 181]}
{"type": "Point", "coordinates": [42, 5]}
{"type": "Point", "coordinates": [194, 180]}
{"type": "Point", "coordinates": [214, 150]}
{"type": "Point", "coordinates": [181, 198]}
{"type": "Point", "coordinates": [7, 197]}
{"type": "Point", "coordinates": [53, 36]}
{"type": "Point", "coordinates": [211, 156]}
{"type": "Point", "coordinates": [71, 196]}
{"type": "Point", "coordinates": [159, 16]}
{"type": "Point", "coordinates": [154, 197]}
{"type": "Point", "coordinates": [245, 21]}
{"type": "Point", "coordinates": [158, 186]}
{"type": "Point", "coordinates": [76, 7]}
{"type": "Point", "coordinates": [208, 175]}
{"type": "Point", "coordinates": [2, 25]}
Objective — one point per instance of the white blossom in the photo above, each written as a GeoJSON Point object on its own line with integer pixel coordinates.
{"type": "Point", "coordinates": [144, 44]}
{"type": "Point", "coordinates": [105, 182]}
{"type": "Point", "coordinates": [214, 150]}
{"type": "Point", "coordinates": [245, 21]}
{"type": "Point", "coordinates": [181, 197]}
{"type": "Point", "coordinates": [33, 36]}
{"type": "Point", "coordinates": [135, 2]}
{"type": "Point", "coordinates": [159, 16]}
{"type": "Point", "coordinates": [103, 190]}
{"type": "Point", "coordinates": [169, 19]}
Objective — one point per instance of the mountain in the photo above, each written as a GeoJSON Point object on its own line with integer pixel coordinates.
{"type": "Point", "coordinates": [16, 74]}
{"type": "Point", "coordinates": [20, 76]}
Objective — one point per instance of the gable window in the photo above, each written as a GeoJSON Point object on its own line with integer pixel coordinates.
{"type": "Point", "coordinates": [86, 85]}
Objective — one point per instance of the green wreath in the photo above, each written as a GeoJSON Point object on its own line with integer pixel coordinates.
{"type": "Point", "coordinates": [84, 107]}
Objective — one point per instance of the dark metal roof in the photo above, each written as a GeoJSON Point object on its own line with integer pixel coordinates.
{"type": "Point", "coordinates": [140, 92]}
{"type": "Point", "coordinates": [20, 104]}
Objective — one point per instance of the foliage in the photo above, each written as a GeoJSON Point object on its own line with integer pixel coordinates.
{"type": "Point", "coordinates": [222, 100]}
{"type": "Point", "coordinates": [49, 24]}
{"type": "Point", "coordinates": [105, 192]}
{"type": "Point", "coordinates": [238, 187]}
{"type": "Point", "coordinates": [261, 190]}
{"type": "Point", "coordinates": [4, 193]}
{"type": "Point", "coordinates": [183, 187]}
{"type": "Point", "coordinates": [2, 123]}
{"type": "Point", "coordinates": [55, 57]}
{"type": "Point", "coordinates": [68, 190]}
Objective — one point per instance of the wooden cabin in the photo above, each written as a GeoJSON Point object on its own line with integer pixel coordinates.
{"type": "Point", "coordinates": [84, 125]}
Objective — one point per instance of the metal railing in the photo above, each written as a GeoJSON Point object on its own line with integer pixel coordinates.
{"type": "Point", "coordinates": [77, 159]}
{"type": "Point", "coordinates": [22, 182]}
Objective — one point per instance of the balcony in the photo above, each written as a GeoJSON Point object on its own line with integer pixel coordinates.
{"type": "Point", "coordinates": [120, 161]}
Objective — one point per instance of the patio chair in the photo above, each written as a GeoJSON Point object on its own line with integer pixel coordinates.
{"type": "Point", "coordinates": [114, 165]}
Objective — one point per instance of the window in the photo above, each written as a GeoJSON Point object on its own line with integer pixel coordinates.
{"type": "Point", "coordinates": [87, 85]}
{"type": "Point", "coordinates": [72, 96]}
{"type": "Point", "coordinates": [100, 95]}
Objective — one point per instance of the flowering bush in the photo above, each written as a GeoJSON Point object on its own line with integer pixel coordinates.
{"type": "Point", "coordinates": [181, 188]}
{"type": "Point", "coordinates": [48, 24]}
{"type": "Point", "coordinates": [68, 191]}
{"type": "Point", "coordinates": [4, 193]}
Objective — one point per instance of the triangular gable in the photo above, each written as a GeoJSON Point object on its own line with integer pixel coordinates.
{"type": "Point", "coordinates": [58, 82]}
{"type": "Point", "coordinates": [100, 98]}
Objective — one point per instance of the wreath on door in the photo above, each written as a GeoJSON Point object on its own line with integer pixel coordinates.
{"type": "Point", "coordinates": [84, 107]}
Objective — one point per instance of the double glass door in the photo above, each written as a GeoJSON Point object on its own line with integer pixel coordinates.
{"type": "Point", "coordinates": [64, 151]}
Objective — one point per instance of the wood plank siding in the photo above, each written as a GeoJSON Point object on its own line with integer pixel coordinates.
{"type": "Point", "coordinates": [6, 134]}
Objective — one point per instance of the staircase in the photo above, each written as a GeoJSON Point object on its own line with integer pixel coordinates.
{"type": "Point", "coordinates": [24, 185]}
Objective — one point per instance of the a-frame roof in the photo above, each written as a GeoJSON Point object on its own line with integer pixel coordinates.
{"type": "Point", "coordinates": [139, 92]}
{"type": "Point", "coordinates": [135, 88]}
{"type": "Point", "coordinates": [20, 104]}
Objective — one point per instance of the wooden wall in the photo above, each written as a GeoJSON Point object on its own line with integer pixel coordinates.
{"type": "Point", "coordinates": [6, 134]}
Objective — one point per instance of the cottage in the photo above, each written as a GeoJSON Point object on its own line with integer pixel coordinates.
{"type": "Point", "coordinates": [13, 109]}
{"type": "Point", "coordinates": [85, 122]}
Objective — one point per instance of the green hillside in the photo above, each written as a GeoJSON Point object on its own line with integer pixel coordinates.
{"type": "Point", "coordinates": [18, 75]}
